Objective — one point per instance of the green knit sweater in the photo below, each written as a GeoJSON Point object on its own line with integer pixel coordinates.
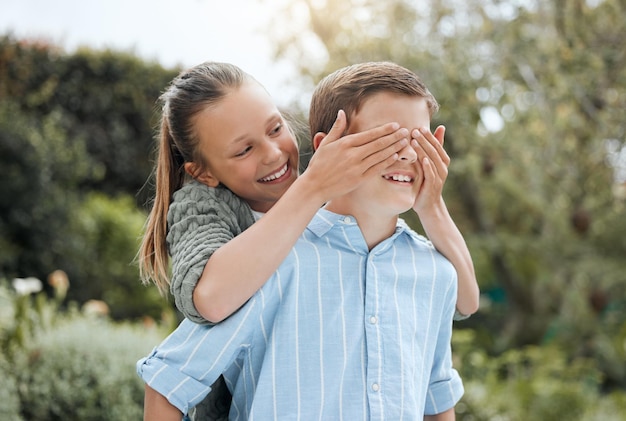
{"type": "Point", "coordinates": [200, 220]}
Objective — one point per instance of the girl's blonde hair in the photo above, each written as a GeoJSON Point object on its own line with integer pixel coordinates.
{"type": "Point", "coordinates": [190, 92]}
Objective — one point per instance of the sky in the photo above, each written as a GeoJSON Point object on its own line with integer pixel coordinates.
{"type": "Point", "coordinates": [172, 32]}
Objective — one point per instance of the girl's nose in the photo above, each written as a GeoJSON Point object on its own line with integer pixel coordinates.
{"type": "Point", "coordinates": [407, 154]}
{"type": "Point", "coordinates": [272, 152]}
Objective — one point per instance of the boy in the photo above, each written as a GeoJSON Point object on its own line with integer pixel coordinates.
{"type": "Point", "coordinates": [357, 321]}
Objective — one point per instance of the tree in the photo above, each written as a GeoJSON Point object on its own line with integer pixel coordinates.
{"type": "Point", "coordinates": [105, 97]}
{"type": "Point", "coordinates": [71, 125]}
{"type": "Point", "coordinates": [41, 166]}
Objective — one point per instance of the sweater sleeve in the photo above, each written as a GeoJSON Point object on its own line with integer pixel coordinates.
{"type": "Point", "coordinates": [200, 220]}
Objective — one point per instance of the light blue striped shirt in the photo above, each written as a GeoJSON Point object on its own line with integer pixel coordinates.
{"type": "Point", "coordinates": [338, 332]}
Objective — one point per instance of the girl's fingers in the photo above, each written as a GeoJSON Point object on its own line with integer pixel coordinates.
{"type": "Point", "coordinates": [380, 152]}
{"type": "Point", "coordinates": [335, 133]}
{"type": "Point", "coordinates": [429, 171]}
{"type": "Point", "coordinates": [432, 145]}
{"type": "Point", "coordinates": [385, 145]}
{"type": "Point", "coordinates": [433, 166]}
{"type": "Point", "coordinates": [367, 148]}
{"type": "Point", "coordinates": [421, 153]}
{"type": "Point", "coordinates": [379, 135]}
{"type": "Point", "coordinates": [439, 133]}
{"type": "Point", "coordinates": [382, 159]}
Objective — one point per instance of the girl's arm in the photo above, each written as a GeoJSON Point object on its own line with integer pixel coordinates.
{"type": "Point", "coordinates": [436, 220]}
{"type": "Point", "coordinates": [157, 407]}
{"type": "Point", "coordinates": [444, 416]}
{"type": "Point", "coordinates": [239, 268]}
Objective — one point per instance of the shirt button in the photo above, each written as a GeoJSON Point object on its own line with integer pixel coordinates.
{"type": "Point", "coordinates": [347, 220]}
{"type": "Point", "coordinates": [373, 320]}
{"type": "Point", "coordinates": [375, 387]}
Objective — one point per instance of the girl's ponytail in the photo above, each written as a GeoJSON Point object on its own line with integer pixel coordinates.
{"type": "Point", "coordinates": [169, 177]}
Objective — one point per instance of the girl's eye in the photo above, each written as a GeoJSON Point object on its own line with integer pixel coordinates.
{"type": "Point", "coordinates": [277, 129]}
{"type": "Point", "coordinates": [245, 151]}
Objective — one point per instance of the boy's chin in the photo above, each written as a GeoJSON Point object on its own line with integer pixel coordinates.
{"type": "Point", "coordinates": [399, 209]}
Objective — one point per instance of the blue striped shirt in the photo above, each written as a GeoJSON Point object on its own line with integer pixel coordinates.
{"type": "Point", "coordinates": [339, 332]}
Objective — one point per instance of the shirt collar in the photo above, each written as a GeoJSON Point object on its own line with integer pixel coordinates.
{"type": "Point", "coordinates": [324, 220]}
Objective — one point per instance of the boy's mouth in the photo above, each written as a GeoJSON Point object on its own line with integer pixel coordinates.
{"type": "Point", "coordinates": [402, 178]}
{"type": "Point", "coordinates": [276, 175]}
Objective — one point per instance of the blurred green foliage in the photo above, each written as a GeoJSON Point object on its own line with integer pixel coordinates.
{"type": "Point", "coordinates": [41, 169]}
{"type": "Point", "coordinates": [106, 100]}
{"type": "Point", "coordinates": [102, 238]}
{"type": "Point", "coordinates": [71, 364]}
{"type": "Point", "coordinates": [58, 364]}
{"type": "Point", "coordinates": [75, 146]}
{"type": "Point", "coordinates": [83, 368]}
{"type": "Point", "coordinates": [531, 382]}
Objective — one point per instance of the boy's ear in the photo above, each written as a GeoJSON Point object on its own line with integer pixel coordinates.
{"type": "Point", "coordinates": [317, 139]}
{"type": "Point", "coordinates": [202, 175]}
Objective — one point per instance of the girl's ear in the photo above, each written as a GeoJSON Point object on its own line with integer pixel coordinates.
{"type": "Point", "coordinates": [317, 139]}
{"type": "Point", "coordinates": [202, 175]}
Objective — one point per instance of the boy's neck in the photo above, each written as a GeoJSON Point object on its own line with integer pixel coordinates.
{"type": "Point", "coordinates": [375, 227]}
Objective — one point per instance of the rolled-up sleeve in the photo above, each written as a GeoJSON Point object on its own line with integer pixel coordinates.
{"type": "Point", "coordinates": [178, 388]}
{"type": "Point", "coordinates": [445, 394]}
{"type": "Point", "coordinates": [185, 365]}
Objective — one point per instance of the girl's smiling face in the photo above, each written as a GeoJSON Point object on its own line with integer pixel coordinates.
{"type": "Point", "coordinates": [246, 146]}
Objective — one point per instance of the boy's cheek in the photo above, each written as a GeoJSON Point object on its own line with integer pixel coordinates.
{"type": "Point", "coordinates": [419, 171]}
{"type": "Point", "coordinates": [418, 183]}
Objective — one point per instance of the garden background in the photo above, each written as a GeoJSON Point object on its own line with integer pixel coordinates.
{"type": "Point", "coordinates": [533, 95]}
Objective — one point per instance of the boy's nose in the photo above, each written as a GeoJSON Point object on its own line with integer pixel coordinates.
{"type": "Point", "coordinates": [407, 154]}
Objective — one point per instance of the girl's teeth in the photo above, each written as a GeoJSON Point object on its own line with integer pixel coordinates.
{"type": "Point", "coordinates": [276, 175]}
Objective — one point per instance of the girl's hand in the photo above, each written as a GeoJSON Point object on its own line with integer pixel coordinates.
{"type": "Point", "coordinates": [436, 220]}
{"type": "Point", "coordinates": [434, 161]}
{"type": "Point", "coordinates": [340, 162]}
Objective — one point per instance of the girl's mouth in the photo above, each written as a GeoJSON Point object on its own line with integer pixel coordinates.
{"type": "Point", "coordinates": [275, 176]}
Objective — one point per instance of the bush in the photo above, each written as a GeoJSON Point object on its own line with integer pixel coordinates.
{"type": "Point", "coordinates": [9, 398]}
{"type": "Point", "coordinates": [534, 382]}
{"type": "Point", "coordinates": [83, 368]}
{"type": "Point", "coordinates": [102, 242]}
{"type": "Point", "coordinates": [69, 364]}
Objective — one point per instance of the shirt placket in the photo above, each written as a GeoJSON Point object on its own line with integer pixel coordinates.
{"type": "Point", "coordinates": [373, 340]}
